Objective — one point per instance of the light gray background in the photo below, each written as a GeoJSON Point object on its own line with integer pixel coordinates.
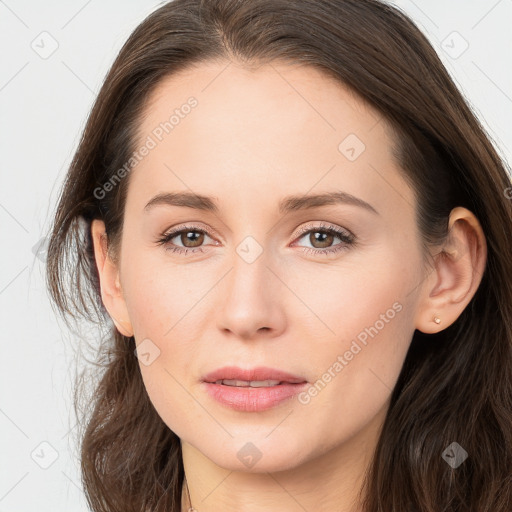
{"type": "Point", "coordinates": [44, 101]}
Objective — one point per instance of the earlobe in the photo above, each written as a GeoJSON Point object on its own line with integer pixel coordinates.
{"type": "Point", "coordinates": [110, 286]}
{"type": "Point", "coordinates": [456, 274]}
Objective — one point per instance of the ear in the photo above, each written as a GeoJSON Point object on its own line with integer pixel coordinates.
{"type": "Point", "coordinates": [456, 275]}
{"type": "Point", "coordinates": [108, 271]}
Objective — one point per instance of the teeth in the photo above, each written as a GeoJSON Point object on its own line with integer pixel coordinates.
{"type": "Point", "coordinates": [246, 384]}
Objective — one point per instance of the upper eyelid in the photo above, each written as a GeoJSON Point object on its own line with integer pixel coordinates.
{"type": "Point", "coordinates": [172, 233]}
{"type": "Point", "coordinates": [300, 231]}
{"type": "Point", "coordinates": [180, 229]}
{"type": "Point", "coordinates": [324, 226]}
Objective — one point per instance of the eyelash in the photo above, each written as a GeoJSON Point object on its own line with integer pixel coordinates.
{"type": "Point", "coordinates": [346, 237]}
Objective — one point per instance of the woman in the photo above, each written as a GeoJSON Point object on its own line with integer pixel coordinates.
{"type": "Point", "coordinates": [302, 236]}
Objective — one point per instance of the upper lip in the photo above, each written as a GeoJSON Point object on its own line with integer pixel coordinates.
{"type": "Point", "coordinates": [251, 374]}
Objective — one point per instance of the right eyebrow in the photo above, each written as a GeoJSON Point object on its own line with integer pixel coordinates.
{"type": "Point", "coordinates": [188, 199]}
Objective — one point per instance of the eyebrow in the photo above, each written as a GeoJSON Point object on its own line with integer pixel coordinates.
{"type": "Point", "coordinates": [287, 205]}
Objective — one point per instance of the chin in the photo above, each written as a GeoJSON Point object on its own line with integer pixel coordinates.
{"type": "Point", "coordinates": [258, 455]}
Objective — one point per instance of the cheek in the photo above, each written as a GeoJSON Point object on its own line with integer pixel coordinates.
{"type": "Point", "coordinates": [164, 311]}
{"type": "Point", "coordinates": [360, 320]}
{"type": "Point", "coordinates": [160, 296]}
{"type": "Point", "coordinates": [367, 288]}
{"type": "Point", "coordinates": [166, 305]}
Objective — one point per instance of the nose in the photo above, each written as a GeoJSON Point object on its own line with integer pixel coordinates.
{"type": "Point", "coordinates": [251, 300]}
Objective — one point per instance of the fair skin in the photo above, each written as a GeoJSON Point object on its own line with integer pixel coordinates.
{"type": "Point", "coordinates": [255, 138]}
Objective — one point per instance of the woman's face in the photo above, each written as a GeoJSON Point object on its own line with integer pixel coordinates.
{"type": "Point", "coordinates": [325, 290]}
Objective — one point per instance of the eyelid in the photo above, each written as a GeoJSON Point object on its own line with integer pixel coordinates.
{"type": "Point", "coordinates": [165, 238]}
{"type": "Point", "coordinates": [322, 226]}
{"type": "Point", "coordinates": [345, 235]}
{"type": "Point", "coordinates": [189, 226]}
{"type": "Point", "coordinates": [304, 229]}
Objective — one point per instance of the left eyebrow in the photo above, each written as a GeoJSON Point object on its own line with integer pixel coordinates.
{"type": "Point", "coordinates": [288, 204]}
{"type": "Point", "coordinates": [294, 203]}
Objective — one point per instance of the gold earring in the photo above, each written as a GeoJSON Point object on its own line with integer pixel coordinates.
{"type": "Point", "coordinates": [437, 320]}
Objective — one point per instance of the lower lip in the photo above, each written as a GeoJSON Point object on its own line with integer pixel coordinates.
{"type": "Point", "coordinates": [249, 399]}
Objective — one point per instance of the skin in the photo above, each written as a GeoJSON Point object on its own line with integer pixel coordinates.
{"type": "Point", "coordinates": [255, 137]}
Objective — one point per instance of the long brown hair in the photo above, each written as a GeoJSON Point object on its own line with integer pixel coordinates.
{"type": "Point", "coordinates": [455, 386]}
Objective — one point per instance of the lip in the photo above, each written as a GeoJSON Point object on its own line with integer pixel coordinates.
{"type": "Point", "coordinates": [257, 373]}
{"type": "Point", "coordinates": [249, 399]}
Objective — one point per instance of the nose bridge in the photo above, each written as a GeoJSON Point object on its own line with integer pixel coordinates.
{"type": "Point", "coordinates": [251, 299]}
{"type": "Point", "coordinates": [249, 280]}
{"type": "Point", "coordinates": [250, 276]}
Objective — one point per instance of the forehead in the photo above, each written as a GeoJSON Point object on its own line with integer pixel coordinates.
{"type": "Point", "coordinates": [284, 125]}
{"type": "Point", "coordinates": [262, 99]}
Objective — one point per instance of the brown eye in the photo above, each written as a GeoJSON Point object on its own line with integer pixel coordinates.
{"type": "Point", "coordinates": [322, 238]}
{"type": "Point", "coordinates": [191, 238]}
{"type": "Point", "coordinates": [187, 238]}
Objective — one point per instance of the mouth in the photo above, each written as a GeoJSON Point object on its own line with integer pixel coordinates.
{"type": "Point", "coordinates": [260, 376]}
{"type": "Point", "coordinates": [251, 383]}
{"type": "Point", "coordinates": [253, 390]}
